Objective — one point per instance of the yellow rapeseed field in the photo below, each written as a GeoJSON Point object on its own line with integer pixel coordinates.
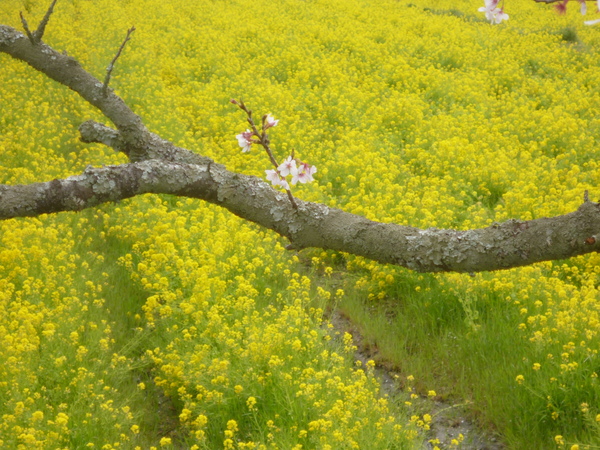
{"type": "Point", "coordinates": [169, 323]}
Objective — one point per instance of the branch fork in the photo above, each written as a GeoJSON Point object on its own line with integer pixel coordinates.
{"type": "Point", "coordinates": [36, 37]}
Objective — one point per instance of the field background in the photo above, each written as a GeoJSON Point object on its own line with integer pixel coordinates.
{"type": "Point", "coordinates": [169, 323]}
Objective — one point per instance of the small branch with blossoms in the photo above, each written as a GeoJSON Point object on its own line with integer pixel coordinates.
{"type": "Point", "coordinates": [495, 14]}
{"type": "Point", "coordinates": [492, 12]}
{"type": "Point", "coordinates": [298, 170]}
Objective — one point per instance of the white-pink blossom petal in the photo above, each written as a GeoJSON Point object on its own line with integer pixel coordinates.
{"type": "Point", "coordinates": [245, 140]}
{"type": "Point", "coordinates": [499, 16]}
{"type": "Point", "coordinates": [276, 180]}
{"type": "Point", "coordinates": [304, 173]}
{"type": "Point", "coordinates": [284, 184]}
{"type": "Point", "coordinates": [273, 177]}
{"type": "Point", "coordinates": [270, 121]}
{"type": "Point", "coordinates": [286, 167]}
{"type": "Point", "coordinates": [492, 12]}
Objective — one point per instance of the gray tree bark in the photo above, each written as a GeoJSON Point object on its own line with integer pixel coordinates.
{"type": "Point", "coordinates": [159, 167]}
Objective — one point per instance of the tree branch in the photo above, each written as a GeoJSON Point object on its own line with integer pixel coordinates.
{"type": "Point", "coordinates": [156, 147]}
{"type": "Point", "coordinates": [159, 167]}
{"type": "Point", "coordinates": [91, 131]}
{"type": "Point", "coordinates": [500, 246]}
{"type": "Point", "coordinates": [67, 71]}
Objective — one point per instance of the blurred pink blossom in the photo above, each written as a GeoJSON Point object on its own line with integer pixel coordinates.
{"type": "Point", "coordinates": [270, 121]}
{"type": "Point", "coordinates": [303, 173]}
{"type": "Point", "coordinates": [245, 140]}
{"type": "Point", "coordinates": [492, 12]}
{"type": "Point", "coordinates": [276, 180]}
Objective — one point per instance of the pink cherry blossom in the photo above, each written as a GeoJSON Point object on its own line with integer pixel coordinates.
{"type": "Point", "coordinates": [303, 173]}
{"type": "Point", "coordinates": [492, 12]}
{"type": "Point", "coordinates": [276, 180]}
{"type": "Point", "coordinates": [286, 167]}
{"type": "Point", "coordinates": [499, 16]}
{"type": "Point", "coordinates": [245, 140]}
{"type": "Point", "coordinates": [273, 176]}
{"type": "Point", "coordinates": [490, 6]}
{"type": "Point", "coordinates": [270, 121]}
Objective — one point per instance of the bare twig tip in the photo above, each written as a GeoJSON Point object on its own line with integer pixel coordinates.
{"type": "Point", "coordinates": [111, 66]}
{"type": "Point", "coordinates": [42, 26]}
{"type": "Point", "coordinates": [26, 28]}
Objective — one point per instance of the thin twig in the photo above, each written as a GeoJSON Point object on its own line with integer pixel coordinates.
{"type": "Point", "coordinates": [114, 60]}
{"type": "Point", "coordinates": [42, 26]}
{"type": "Point", "coordinates": [263, 140]}
{"type": "Point", "coordinates": [291, 197]}
{"type": "Point", "coordinates": [26, 27]}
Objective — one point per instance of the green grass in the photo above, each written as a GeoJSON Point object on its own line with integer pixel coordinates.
{"type": "Point", "coordinates": [468, 351]}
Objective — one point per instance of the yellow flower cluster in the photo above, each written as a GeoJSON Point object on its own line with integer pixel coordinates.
{"type": "Point", "coordinates": [57, 346]}
{"type": "Point", "coordinates": [416, 112]}
{"type": "Point", "coordinates": [244, 342]}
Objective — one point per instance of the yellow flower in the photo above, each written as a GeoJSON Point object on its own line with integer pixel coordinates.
{"type": "Point", "coordinates": [185, 414]}
{"type": "Point", "coordinates": [62, 419]}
